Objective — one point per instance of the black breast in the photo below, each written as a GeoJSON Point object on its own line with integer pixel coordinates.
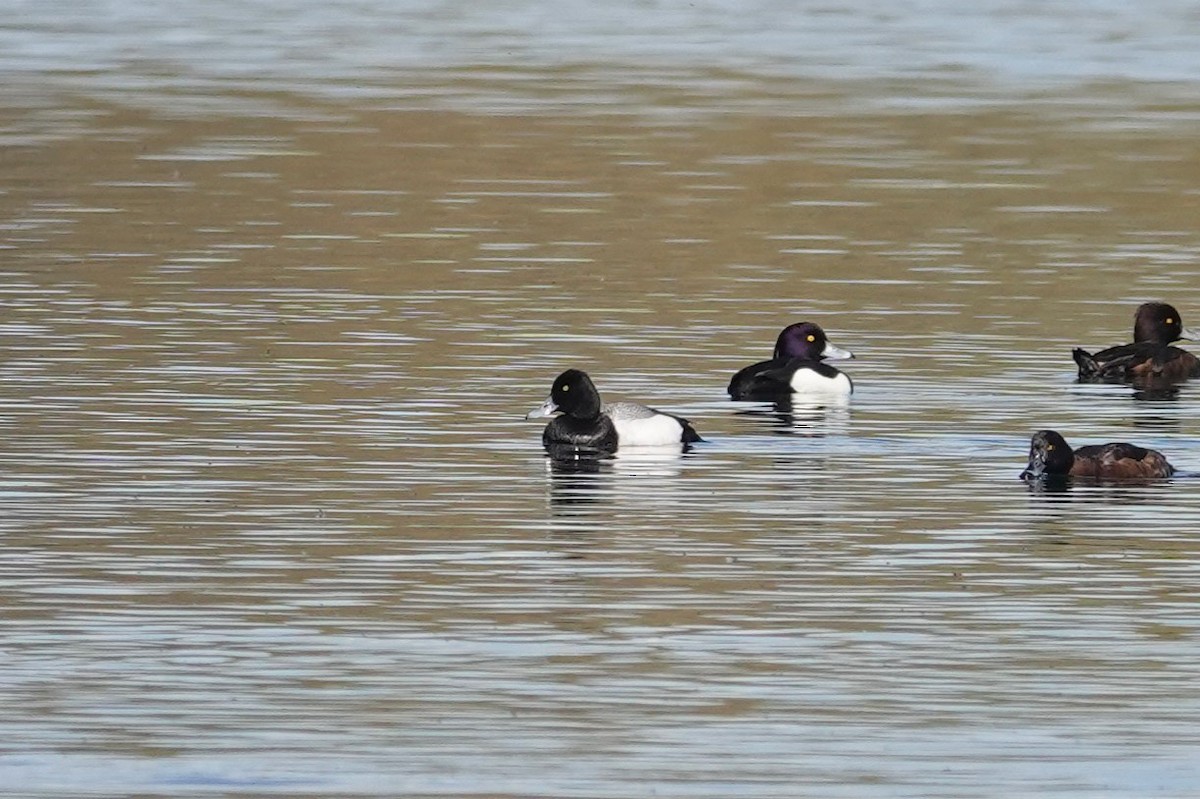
{"type": "Point", "coordinates": [568, 435]}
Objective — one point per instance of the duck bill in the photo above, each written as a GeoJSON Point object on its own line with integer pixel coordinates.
{"type": "Point", "coordinates": [547, 408]}
{"type": "Point", "coordinates": [832, 353]}
{"type": "Point", "coordinates": [1035, 469]}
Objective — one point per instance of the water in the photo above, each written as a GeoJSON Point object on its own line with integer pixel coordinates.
{"type": "Point", "coordinates": [279, 288]}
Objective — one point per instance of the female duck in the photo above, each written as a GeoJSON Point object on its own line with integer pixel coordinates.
{"type": "Point", "coordinates": [796, 367]}
{"type": "Point", "coordinates": [585, 425]}
{"type": "Point", "coordinates": [1051, 457]}
{"type": "Point", "coordinates": [1150, 358]}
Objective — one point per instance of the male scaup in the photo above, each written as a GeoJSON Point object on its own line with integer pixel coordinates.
{"type": "Point", "coordinates": [796, 367]}
{"type": "Point", "coordinates": [1150, 358]}
{"type": "Point", "coordinates": [585, 425]}
{"type": "Point", "coordinates": [1051, 457]}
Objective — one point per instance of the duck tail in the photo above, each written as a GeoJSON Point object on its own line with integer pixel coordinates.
{"type": "Point", "coordinates": [1088, 366]}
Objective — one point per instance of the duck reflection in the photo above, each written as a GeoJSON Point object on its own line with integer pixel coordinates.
{"type": "Point", "coordinates": [1053, 487]}
{"type": "Point", "coordinates": [576, 480]}
{"type": "Point", "coordinates": [1156, 422]}
{"type": "Point", "coordinates": [792, 416]}
{"type": "Point", "coordinates": [1149, 392]}
{"type": "Point", "coordinates": [1149, 396]}
{"type": "Point", "coordinates": [1087, 489]}
{"type": "Point", "coordinates": [631, 473]}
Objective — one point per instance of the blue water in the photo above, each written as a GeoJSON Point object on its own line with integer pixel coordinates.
{"type": "Point", "coordinates": [604, 55]}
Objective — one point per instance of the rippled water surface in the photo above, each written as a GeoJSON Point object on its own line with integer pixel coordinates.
{"type": "Point", "coordinates": [279, 288]}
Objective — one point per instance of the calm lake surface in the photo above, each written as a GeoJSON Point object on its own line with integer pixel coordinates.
{"type": "Point", "coordinates": [280, 281]}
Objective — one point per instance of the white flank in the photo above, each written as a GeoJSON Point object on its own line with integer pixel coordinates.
{"type": "Point", "coordinates": [659, 430]}
{"type": "Point", "coordinates": [808, 381]}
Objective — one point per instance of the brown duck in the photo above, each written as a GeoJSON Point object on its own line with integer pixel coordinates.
{"type": "Point", "coordinates": [1150, 359]}
{"type": "Point", "coordinates": [1051, 456]}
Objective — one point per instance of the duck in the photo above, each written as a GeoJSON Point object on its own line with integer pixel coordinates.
{"type": "Point", "coordinates": [1051, 457]}
{"type": "Point", "coordinates": [1150, 359]}
{"type": "Point", "coordinates": [796, 367]}
{"type": "Point", "coordinates": [583, 424]}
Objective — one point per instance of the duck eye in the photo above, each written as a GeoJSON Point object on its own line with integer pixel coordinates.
{"type": "Point", "coordinates": [1049, 447]}
{"type": "Point", "coordinates": [1170, 321]}
{"type": "Point", "coordinates": [566, 388]}
{"type": "Point", "coordinates": [811, 337]}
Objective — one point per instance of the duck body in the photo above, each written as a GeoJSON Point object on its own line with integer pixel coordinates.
{"type": "Point", "coordinates": [582, 424]}
{"type": "Point", "coordinates": [1137, 363]}
{"type": "Point", "coordinates": [1051, 457]}
{"type": "Point", "coordinates": [796, 367]}
{"type": "Point", "coordinates": [568, 433]}
{"type": "Point", "coordinates": [641, 426]}
{"type": "Point", "coordinates": [777, 379]}
{"type": "Point", "coordinates": [1150, 358]}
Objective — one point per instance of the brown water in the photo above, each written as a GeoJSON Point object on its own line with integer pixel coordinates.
{"type": "Point", "coordinates": [272, 520]}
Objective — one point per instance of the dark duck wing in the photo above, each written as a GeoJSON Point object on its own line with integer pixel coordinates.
{"type": "Point", "coordinates": [1113, 363]}
{"type": "Point", "coordinates": [1142, 362]}
{"type": "Point", "coordinates": [1120, 460]}
{"type": "Point", "coordinates": [762, 380]}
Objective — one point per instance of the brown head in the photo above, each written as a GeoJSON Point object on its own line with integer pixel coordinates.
{"type": "Point", "coordinates": [1049, 456]}
{"type": "Point", "coordinates": [1159, 323]}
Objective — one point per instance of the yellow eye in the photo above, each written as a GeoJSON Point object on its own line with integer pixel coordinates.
{"type": "Point", "coordinates": [1049, 447]}
{"type": "Point", "coordinates": [566, 388]}
{"type": "Point", "coordinates": [811, 337]}
{"type": "Point", "coordinates": [1170, 321]}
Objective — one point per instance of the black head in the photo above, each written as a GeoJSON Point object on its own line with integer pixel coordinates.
{"type": "Point", "coordinates": [808, 342]}
{"type": "Point", "coordinates": [1049, 456]}
{"type": "Point", "coordinates": [574, 394]}
{"type": "Point", "coordinates": [1159, 323]}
